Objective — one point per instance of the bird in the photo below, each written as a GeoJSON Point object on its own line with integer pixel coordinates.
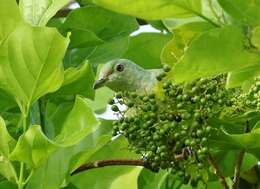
{"type": "Point", "coordinates": [122, 75]}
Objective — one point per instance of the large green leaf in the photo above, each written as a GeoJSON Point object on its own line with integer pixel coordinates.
{"type": "Point", "coordinates": [9, 17]}
{"type": "Point", "coordinates": [51, 174]}
{"type": "Point", "coordinates": [247, 12]}
{"type": "Point", "coordinates": [153, 9]}
{"type": "Point", "coordinates": [31, 60]}
{"type": "Point", "coordinates": [145, 49]}
{"type": "Point", "coordinates": [94, 25]}
{"type": "Point", "coordinates": [33, 146]}
{"type": "Point", "coordinates": [216, 51]}
{"type": "Point", "coordinates": [39, 12]}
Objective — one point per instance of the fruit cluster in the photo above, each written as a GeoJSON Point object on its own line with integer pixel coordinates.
{"type": "Point", "coordinates": [171, 131]}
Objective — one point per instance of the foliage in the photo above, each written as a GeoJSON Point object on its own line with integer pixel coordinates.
{"type": "Point", "coordinates": [50, 114]}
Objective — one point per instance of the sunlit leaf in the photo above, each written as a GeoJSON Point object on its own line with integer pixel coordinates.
{"type": "Point", "coordinates": [31, 63]}
{"type": "Point", "coordinates": [214, 52]}
{"type": "Point", "coordinates": [38, 13]}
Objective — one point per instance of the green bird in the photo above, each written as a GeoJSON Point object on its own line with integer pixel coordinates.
{"type": "Point", "coordinates": [125, 75]}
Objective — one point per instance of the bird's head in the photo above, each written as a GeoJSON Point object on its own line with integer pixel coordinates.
{"type": "Point", "coordinates": [117, 74]}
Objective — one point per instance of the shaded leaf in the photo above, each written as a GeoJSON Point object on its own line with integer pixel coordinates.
{"type": "Point", "coordinates": [145, 49]}
{"type": "Point", "coordinates": [92, 25]}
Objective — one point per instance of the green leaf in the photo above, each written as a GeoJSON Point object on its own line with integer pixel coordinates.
{"type": "Point", "coordinates": [9, 18]}
{"type": "Point", "coordinates": [92, 25]}
{"type": "Point", "coordinates": [153, 10]}
{"type": "Point", "coordinates": [115, 149]}
{"type": "Point", "coordinates": [33, 147]}
{"type": "Point", "coordinates": [100, 102]}
{"type": "Point", "coordinates": [247, 12]}
{"type": "Point", "coordinates": [80, 122]}
{"type": "Point", "coordinates": [7, 185]}
{"type": "Point", "coordinates": [223, 51]}
{"type": "Point", "coordinates": [98, 54]}
{"type": "Point", "coordinates": [38, 13]}
{"type": "Point", "coordinates": [243, 77]}
{"type": "Point", "coordinates": [148, 179]}
{"type": "Point", "coordinates": [183, 36]}
{"type": "Point", "coordinates": [145, 49]}
{"type": "Point", "coordinates": [78, 81]}
{"type": "Point", "coordinates": [255, 38]}
{"type": "Point", "coordinates": [53, 172]}
{"type": "Point", "coordinates": [6, 141]}
{"type": "Point", "coordinates": [31, 63]}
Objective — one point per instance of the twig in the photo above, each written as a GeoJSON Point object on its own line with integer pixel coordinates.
{"type": "Point", "coordinates": [239, 162]}
{"type": "Point", "coordinates": [112, 162]}
{"type": "Point", "coordinates": [218, 172]}
{"type": "Point", "coordinates": [237, 169]}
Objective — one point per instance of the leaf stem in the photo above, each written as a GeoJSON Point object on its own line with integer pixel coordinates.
{"type": "Point", "coordinates": [20, 181]}
{"type": "Point", "coordinates": [112, 162]}
{"type": "Point", "coordinates": [218, 172]}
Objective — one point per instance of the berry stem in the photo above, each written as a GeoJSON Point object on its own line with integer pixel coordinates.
{"type": "Point", "coordinates": [112, 162]}
{"type": "Point", "coordinates": [218, 172]}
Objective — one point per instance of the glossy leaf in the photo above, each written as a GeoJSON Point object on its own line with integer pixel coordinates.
{"type": "Point", "coordinates": [153, 10]}
{"type": "Point", "coordinates": [38, 13]}
{"type": "Point", "coordinates": [223, 51]}
{"type": "Point", "coordinates": [31, 63]}
{"type": "Point", "coordinates": [92, 25]}
{"type": "Point", "coordinates": [148, 179]}
{"type": "Point", "coordinates": [145, 49]}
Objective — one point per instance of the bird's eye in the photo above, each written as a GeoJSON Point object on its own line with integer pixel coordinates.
{"type": "Point", "coordinates": [120, 67]}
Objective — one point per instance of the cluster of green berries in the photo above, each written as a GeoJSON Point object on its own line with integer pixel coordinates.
{"type": "Point", "coordinates": [252, 97]}
{"type": "Point", "coordinates": [171, 132]}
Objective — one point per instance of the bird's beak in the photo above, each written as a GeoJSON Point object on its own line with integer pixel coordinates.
{"type": "Point", "coordinates": [99, 83]}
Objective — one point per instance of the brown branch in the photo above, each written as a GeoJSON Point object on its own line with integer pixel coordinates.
{"type": "Point", "coordinates": [112, 162]}
{"type": "Point", "coordinates": [218, 172]}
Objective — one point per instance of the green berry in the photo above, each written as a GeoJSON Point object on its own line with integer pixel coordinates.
{"type": "Point", "coordinates": [114, 108]}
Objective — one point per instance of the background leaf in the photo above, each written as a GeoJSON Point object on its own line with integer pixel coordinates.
{"type": "Point", "coordinates": [145, 49]}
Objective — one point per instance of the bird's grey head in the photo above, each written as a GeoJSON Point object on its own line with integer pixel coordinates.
{"type": "Point", "coordinates": [117, 74]}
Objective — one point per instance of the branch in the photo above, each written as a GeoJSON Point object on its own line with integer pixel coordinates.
{"type": "Point", "coordinates": [237, 169]}
{"type": "Point", "coordinates": [112, 162]}
{"type": "Point", "coordinates": [218, 172]}
{"type": "Point", "coordinates": [239, 163]}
